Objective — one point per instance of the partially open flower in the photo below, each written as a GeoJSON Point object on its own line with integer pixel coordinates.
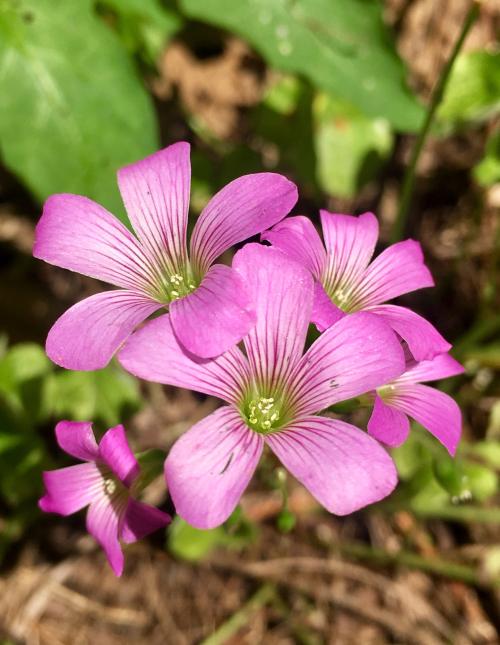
{"type": "Point", "coordinates": [105, 483]}
{"type": "Point", "coordinates": [406, 396]}
{"type": "Point", "coordinates": [346, 281]}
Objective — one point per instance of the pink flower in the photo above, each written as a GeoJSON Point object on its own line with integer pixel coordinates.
{"type": "Point", "coordinates": [209, 307]}
{"type": "Point", "coordinates": [347, 282]}
{"type": "Point", "coordinates": [104, 483]}
{"type": "Point", "coordinates": [274, 393]}
{"type": "Point", "coordinates": [405, 395]}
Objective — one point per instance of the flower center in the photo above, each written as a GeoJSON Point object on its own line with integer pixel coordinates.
{"type": "Point", "coordinates": [177, 287]}
{"type": "Point", "coordinates": [263, 414]}
{"type": "Point", "coordinates": [386, 392]}
{"type": "Point", "coordinates": [342, 297]}
{"type": "Point", "coordinates": [172, 286]}
{"type": "Point", "coordinates": [109, 486]}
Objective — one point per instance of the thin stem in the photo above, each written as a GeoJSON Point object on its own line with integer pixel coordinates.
{"type": "Point", "coordinates": [399, 225]}
{"type": "Point", "coordinates": [465, 513]}
{"type": "Point", "coordinates": [438, 566]}
{"type": "Point", "coordinates": [450, 512]}
{"type": "Point", "coordinates": [242, 617]}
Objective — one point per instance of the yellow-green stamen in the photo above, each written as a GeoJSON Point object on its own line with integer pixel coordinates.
{"type": "Point", "coordinates": [263, 414]}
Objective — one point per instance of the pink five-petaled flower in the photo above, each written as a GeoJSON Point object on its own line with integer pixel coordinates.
{"type": "Point", "coordinates": [274, 394]}
{"type": "Point", "coordinates": [105, 483]}
{"type": "Point", "coordinates": [208, 305]}
{"type": "Point", "coordinates": [347, 282]}
{"type": "Point", "coordinates": [405, 395]}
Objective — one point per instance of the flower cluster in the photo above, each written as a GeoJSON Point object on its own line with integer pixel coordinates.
{"type": "Point", "coordinates": [239, 333]}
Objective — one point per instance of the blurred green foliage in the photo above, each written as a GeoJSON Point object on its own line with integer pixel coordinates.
{"type": "Point", "coordinates": [473, 90]}
{"type": "Point", "coordinates": [487, 171]}
{"type": "Point", "coordinates": [432, 481]}
{"type": "Point", "coordinates": [73, 107]}
{"type": "Point", "coordinates": [350, 147]}
{"type": "Point", "coordinates": [144, 26]}
{"type": "Point", "coordinates": [188, 543]}
{"type": "Point", "coordinates": [341, 47]}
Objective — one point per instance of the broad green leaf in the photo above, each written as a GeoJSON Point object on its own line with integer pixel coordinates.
{"type": "Point", "coordinates": [73, 107]}
{"type": "Point", "coordinates": [189, 543]}
{"type": "Point", "coordinates": [21, 363]}
{"type": "Point", "coordinates": [481, 481]}
{"type": "Point", "coordinates": [107, 396]}
{"type": "Point", "coordinates": [451, 476]}
{"type": "Point", "coordinates": [487, 171]}
{"type": "Point", "coordinates": [151, 463]}
{"type": "Point", "coordinates": [473, 89]}
{"type": "Point", "coordinates": [21, 372]}
{"type": "Point", "coordinates": [342, 47]}
{"type": "Point", "coordinates": [410, 456]}
{"type": "Point", "coordinates": [489, 451]}
{"type": "Point", "coordinates": [350, 147]}
{"type": "Point", "coordinates": [69, 395]}
{"type": "Point", "coordinates": [144, 24]}
{"type": "Point", "coordinates": [283, 96]}
{"type": "Point", "coordinates": [428, 493]}
{"type": "Point", "coordinates": [117, 395]}
{"type": "Point", "coordinates": [21, 469]}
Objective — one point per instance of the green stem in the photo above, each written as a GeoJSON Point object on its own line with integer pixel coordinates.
{"type": "Point", "coordinates": [453, 513]}
{"type": "Point", "coordinates": [399, 225]}
{"type": "Point", "coordinates": [242, 617]}
{"type": "Point", "coordinates": [437, 566]}
{"type": "Point", "coordinates": [466, 513]}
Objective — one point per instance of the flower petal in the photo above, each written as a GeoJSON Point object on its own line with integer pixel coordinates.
{"type": "Point", "coordinates": [141, 520]}
{"type": "Point", "coordinates": [77, 234]}
{"type": "Point", "coordinates": [283, 292]}
{"type": "Point", "coordinates": [397, 270]}
{"type": "Point", "coordinates": [297, 238]}
{"type": "Point", "coordinates": [210, 466]}
{"type": "Point", "coordinates": [155, 192]}
{"type": "Point", "coordinates": [215, 316]}
{"type": "Point", "coordinates": [350, 242]}
{"type": "Point", "coordinates": [154, 354]}
{"type": "Point", "coordinates": [104, 522]}
{"type": "Point", "coordinates": [87, 335]}
{"type": "Point", "coordinates": [324, 313]}
{"type": "Point", "coordinates": [340, 465]}
{"type": "Point", "coordinates": [77, 439]}
{"type": "Point", "coordinates": [388, 425]}
{"type": "Point", "coordinates": [358, 353]}
{"type": "Point", "coordinates": [424, 340]}
{"type": "Point", "coordinates": [116, 453]}
{"type": "Point", "coordinates": [245, 207]}
{"type": "Point", "coordinates": [439, 367]}
{"type": "Point", "coordinates": [435, 410]}
{"type": "Point", "coordinates": [67, 490]}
